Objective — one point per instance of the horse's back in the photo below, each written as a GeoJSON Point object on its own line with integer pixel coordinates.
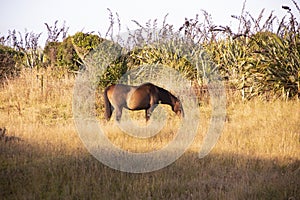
{"type": "Point", "coordinates": [117, 94]}
{"type": "Point", "coordinates": [132, 97]}
{"type": "Point", "coordinates": [142, 97]}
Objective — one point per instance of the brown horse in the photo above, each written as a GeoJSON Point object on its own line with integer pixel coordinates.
{"type": "Point", "coordinates": [144, 97]}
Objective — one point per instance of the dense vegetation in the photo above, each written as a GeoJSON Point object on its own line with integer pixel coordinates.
{"type": "Point", "coordinates": [261, 59]}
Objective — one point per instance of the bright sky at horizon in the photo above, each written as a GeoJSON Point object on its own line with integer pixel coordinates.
{"type": "Point", "coordinates": [92, 15]}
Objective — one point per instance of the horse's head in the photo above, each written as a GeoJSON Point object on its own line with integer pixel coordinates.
{"type": "Point", "coordinates": [178, 109]}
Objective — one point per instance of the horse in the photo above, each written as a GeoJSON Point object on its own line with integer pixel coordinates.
{"type": "Point", "coordinates": [146, 97]}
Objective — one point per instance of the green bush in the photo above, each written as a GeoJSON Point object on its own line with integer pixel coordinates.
{"type": "Point", "coordinates": [69, 53]}
{"type": "Point", "coordinates": [67, 56]}
{"type": "Point", "coordinates": [10, 60]}
{"type": "Point", "coordinates": [50, 53]}
{"type": "Point", "coordinates": [261, 64]}
{"type": "Point", "coordinates": [86, 42]}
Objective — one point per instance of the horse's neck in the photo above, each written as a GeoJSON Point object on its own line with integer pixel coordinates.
{"type": "Point", "coordinates": [166, 97]}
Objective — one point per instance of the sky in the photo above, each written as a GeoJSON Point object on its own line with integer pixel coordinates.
{"type": "Point", "coordinates": [92, 15]}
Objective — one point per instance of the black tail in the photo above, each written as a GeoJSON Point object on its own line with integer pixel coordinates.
{"type": "Point", "coordinates": [107, 105]}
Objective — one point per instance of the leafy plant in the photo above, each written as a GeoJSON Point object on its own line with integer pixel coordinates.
{"type": "Point", "coordinates": [10, 60]}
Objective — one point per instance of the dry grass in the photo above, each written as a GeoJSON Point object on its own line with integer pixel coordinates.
{"type": "Point", "coordinates": [257, 156]}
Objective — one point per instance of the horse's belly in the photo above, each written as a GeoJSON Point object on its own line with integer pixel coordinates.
{"type": "Point", "coordinates": [136, 102]}
{"type": "Point", "coordinates": [133, 105]}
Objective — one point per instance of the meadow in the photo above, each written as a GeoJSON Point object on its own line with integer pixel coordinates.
{"type": "Point", "coordinates": [42, 156]}
{"type": "Point", "coordinates": [257, 156]}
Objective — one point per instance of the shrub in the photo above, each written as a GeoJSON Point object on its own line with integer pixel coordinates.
{"type": "Point", "coordinates": [9, 62]}
{"type": "Point", "coordinates": [70, 52]}
{"type": "Point", "coordinates": [66, 55]}
{"type": "Point", "coordinates": [50, 53]}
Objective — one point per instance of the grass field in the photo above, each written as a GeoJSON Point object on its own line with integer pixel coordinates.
{"type": "Point", "coordinates": [42, 156]}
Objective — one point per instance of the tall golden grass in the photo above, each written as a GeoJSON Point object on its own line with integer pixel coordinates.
{"type": "Point", "coordinates": [42, 157]}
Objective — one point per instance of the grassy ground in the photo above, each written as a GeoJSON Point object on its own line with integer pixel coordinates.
{"type": "Point", "coordinates": [42, 156]}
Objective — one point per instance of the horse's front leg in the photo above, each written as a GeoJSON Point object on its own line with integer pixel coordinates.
{"type": "Point", "coordinates": [118, 114]}
{"type": "Point", "coordinates": [149, 111]}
